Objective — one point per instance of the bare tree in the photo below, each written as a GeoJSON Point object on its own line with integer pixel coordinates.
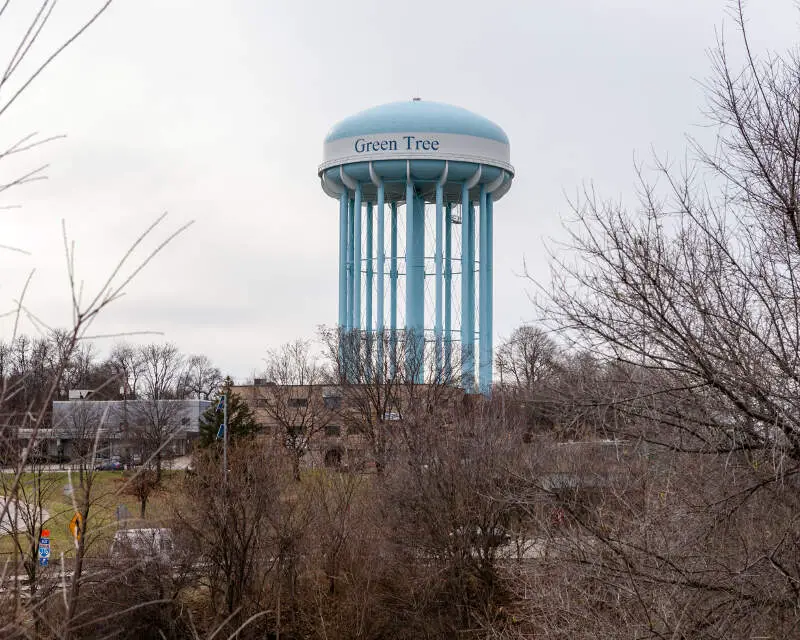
{"type": "Point", "coordinates": [383, 378]}
{"type": "Point", "coordinates": [126, 362]}
{"type": "Point", "coordinates": [82, 370]}
{"type": "Point", "coordinates": [527, 357]}
{"type": "Point", "coordinates": [156, 420]}
{"type": "Point", "coordinates": [161, 367]}
{"type": "Point", "coordinates": [24, 524]}
{"type": "Point", "coordinates": [294, 401]}
{"type": "Point", "coordinates": [79, 610]}
{"type": "Point", "coordinates": [25, 399]}
{"type": "Point", "coordinates": [79, 422]}
{"type": "Point", "coordinates": [700, 288]}
{"type": "Point", "coordinates": [231, 524]}
{"type": "Point", "coordinates": [142, 485]}
{"type": "Point", "coordinates": [369, 389]}
{"type": "Point", "coordinates": [450, 517]}
{"type": "Point", "coordinates": [200, 379]}
{"type": "Point", "coordinates": [27, 61]}
{"type": "Point", "coordinates": [155, 426]}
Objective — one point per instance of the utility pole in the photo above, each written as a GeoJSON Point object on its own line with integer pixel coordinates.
{"type": "Point", "coordinates": [225, 439]}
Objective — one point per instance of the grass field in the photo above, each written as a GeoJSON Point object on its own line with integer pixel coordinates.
{"type": "Point", "coordinates": [108, 494]}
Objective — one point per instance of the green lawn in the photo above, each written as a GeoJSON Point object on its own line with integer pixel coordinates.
{"type": "Point", "coordinates": [108, 493]}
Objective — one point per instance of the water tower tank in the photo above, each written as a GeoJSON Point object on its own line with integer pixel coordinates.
{"type": "Point", "coordinates": [416, 183]}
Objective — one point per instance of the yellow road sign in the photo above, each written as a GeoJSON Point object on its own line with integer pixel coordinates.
{"type": "Point", "coordinates": [75, 526]}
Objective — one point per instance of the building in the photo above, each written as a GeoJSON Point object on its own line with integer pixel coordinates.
{"type": "Point", "coordinates": [130, 429]}
{"type": "Point", "coordinates": [332, 425]}
{"type": "Point", "coordinates": [313, 416]}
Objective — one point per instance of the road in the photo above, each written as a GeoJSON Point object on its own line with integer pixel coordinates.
{"type": "Point", "coordinates": [177, 464]}
{"type": "Point", "coordinates": [14, 520]}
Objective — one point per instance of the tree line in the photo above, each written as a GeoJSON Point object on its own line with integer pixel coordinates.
{"type": "Point", "coordinates": [31, 366]}
{"type": "Point", "coordinates": [633, 474]}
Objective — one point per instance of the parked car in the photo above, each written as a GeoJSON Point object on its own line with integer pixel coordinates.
{"type": "Point", "coordinates": [109, 465]}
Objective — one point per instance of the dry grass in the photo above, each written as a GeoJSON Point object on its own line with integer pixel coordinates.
{"type": "Point", "coordinates": [108, 494]}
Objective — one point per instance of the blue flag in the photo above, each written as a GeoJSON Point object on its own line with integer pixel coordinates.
{"type": "Point", "coordinates": [221, 403]}
{"type": "Point", "coordinates": [221, 431]}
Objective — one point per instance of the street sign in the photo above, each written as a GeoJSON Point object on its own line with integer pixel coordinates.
{"type": "Point", "coordinates": [75, 526]}
{"type": "Point", "coordinates": [123, 513]}
{"type": "Point", "coordinates": [44, 548]}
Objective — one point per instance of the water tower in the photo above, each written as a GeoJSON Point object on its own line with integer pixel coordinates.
{"type": "Point", "coordinates": [416, 183]}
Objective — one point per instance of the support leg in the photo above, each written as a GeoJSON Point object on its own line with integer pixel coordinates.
{"type": "Point", "coordinates": [369, 267]}
{"type": "Point", "coordinates": [381, 275]}
{"type": "Point", "coordinates": [393, 292]}
{"type": "Point", "coordinates": [467, 293]}
{"type": "Point", "coordinates": [342, 260]}
{"type": "Point", "coordinates": [419, 290]}
{"type": "Point", "coordinates": [350, 250]}
{"type": "Point", "coordinates": [437, 323]}
{"type": "Point", "coordinates": [485, 365]}
{"type": "Point", "coordinates": [448, 289]}
{"type": "Point", "coordinates": [411, 293]}
{"type": "Point", "coordinates": [490, 282]}
{"type": "Point", "coordinates": [357, 260]}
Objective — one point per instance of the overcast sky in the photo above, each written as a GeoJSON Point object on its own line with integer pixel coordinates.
{"type": "Point", "coordinates": [216, 112]}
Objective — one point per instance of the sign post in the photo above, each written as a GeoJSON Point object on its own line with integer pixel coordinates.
{"type": "Point", "coordinates": [44, 548]}
{"type": "Point", "coordinates": [222, 405]}
{"type": "Point", "coordinates": [225, 440]}
{"type": "Point", "coordinates": [122, 513]}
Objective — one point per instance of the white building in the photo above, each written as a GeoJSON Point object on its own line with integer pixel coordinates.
{"type": "Point", "coordinates": [125, 428]}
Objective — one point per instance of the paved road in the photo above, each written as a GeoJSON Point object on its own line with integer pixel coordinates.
{"type": "Point", "coordinates": [13, 519]}
{"type": "Point", "coordinates": [180, 463]}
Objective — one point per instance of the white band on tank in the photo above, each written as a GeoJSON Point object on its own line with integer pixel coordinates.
{"type": "Point", "coordinates": [413, 146]}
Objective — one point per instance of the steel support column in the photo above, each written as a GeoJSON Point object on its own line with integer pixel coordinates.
{"type": "Point", "coordinates": [485, 365]}
{"type": "Point", "coordinates": [419, 287]}
{"type": "Point", "coordinates": [437, 257]}
{"type": "Point", "coordinates": [409, 255]}
{"type": "Point", "coordinates": [467, 293]}
{"type": "Point", "coordinates": [393, 292]}
{"type": "Point", "coordinates": [357, 259]}
{"type": "Point", "coordinates": [415, 231]}
{"type": "Point", "coordinates": [448, 288]}
{"type": "Point", "coordinates": [368, 261]}
{"type": "Point", "coordinates": [350, 249]}
{"type": "Point", "coordinates": [381, 275]}
{"type": "Point", "coordinates": [342, 260]}
{"type": "Point", "coordinates": [490, 282]}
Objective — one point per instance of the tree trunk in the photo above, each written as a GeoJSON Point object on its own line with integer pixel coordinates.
{"type": "Point", "coordinates": [278, 608]}
{"type": "Point", "coordinates": [74, 591]}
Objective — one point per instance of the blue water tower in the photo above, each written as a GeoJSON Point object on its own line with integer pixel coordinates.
{"type": "Point", "coordinates": [440, 169]}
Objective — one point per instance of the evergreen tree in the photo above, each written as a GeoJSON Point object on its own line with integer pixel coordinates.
{"type": "Point", "coordinates": [241, 419]}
